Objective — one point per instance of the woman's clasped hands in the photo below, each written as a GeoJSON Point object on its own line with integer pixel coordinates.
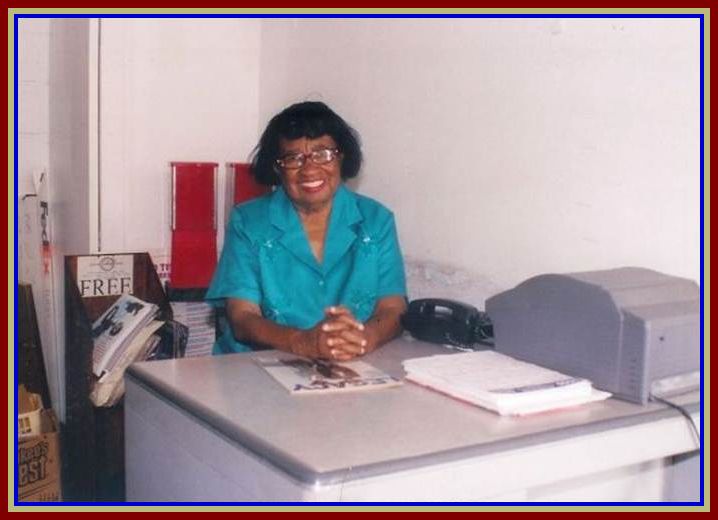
{"type": "Point", "coordinates": [339, 336]}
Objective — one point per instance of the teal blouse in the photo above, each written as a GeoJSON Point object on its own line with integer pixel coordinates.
{"type": "Point", "coordinates": [267, 260]}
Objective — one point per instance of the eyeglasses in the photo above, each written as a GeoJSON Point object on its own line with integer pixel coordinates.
{"type": "Point", "coordinates": [294, 161]}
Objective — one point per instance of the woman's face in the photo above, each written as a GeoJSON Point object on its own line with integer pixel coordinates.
{"type": "Point", "coordinates": [312, 186]}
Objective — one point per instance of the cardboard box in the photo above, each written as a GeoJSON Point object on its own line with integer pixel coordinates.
{"type": "Point", "coordinates": [38, 458]}
{"type": "Point", "coordinates": [28, 417]}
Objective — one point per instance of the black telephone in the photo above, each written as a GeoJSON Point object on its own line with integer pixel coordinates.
{"type": "Point", "coordinates": [438, 320]}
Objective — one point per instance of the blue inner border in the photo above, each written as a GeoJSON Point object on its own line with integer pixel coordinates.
{"type": "Point", "coordinates": [358, 15]}
{"type": "Point", "coordinates": [701, 17]}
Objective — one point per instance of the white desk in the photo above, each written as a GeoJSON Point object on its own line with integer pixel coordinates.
{"type": "Point", "coordinates": [219, 428]}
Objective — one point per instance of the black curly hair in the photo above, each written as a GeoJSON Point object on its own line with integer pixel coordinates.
{"type": "Point", "coordinates": [310, 119]}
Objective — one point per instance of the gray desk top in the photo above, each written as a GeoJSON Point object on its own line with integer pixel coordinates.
{"type": "Point", "coordinates": [316, 439]}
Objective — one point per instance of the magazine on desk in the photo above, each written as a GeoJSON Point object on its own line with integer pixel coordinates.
{"type": "Point", "coordinates": [314, 376]}
{"type": "Point", "coordinates": [114, 331]}
{"type": "Point", "coordinates": [501, 383]}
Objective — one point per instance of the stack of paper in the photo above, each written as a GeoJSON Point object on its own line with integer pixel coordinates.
{"type": "Point", "coordinates": [500, 383]}
{"type": "Point", "coordinates": [199, 318]}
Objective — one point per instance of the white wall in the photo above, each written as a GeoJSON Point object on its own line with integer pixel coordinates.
{"type": "Point", "coordinates": [54, 163]}
{"type": "Point", "coordinates": [170, 90]}
{"type": "Point", "coordinates": [33, 132]}
{"type": "Point", "coordinates": [71, 121]}
{"type": "Point", "coordinates": [71, 188]}
{"type": "Point", "coordinates": [33, 99]}
{"type": "Point", "coordinates": [513, 147]}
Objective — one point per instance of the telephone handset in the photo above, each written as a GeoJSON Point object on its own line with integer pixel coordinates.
{"type": "Point", "coordinates": [438, 320]}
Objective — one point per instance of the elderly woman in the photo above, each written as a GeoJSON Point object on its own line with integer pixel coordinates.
{"type": "Point", "coordinates": [311, 268]}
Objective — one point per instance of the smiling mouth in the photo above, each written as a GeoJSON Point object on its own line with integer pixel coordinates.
{"type": "Point", "coordinates": [312, 185]}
